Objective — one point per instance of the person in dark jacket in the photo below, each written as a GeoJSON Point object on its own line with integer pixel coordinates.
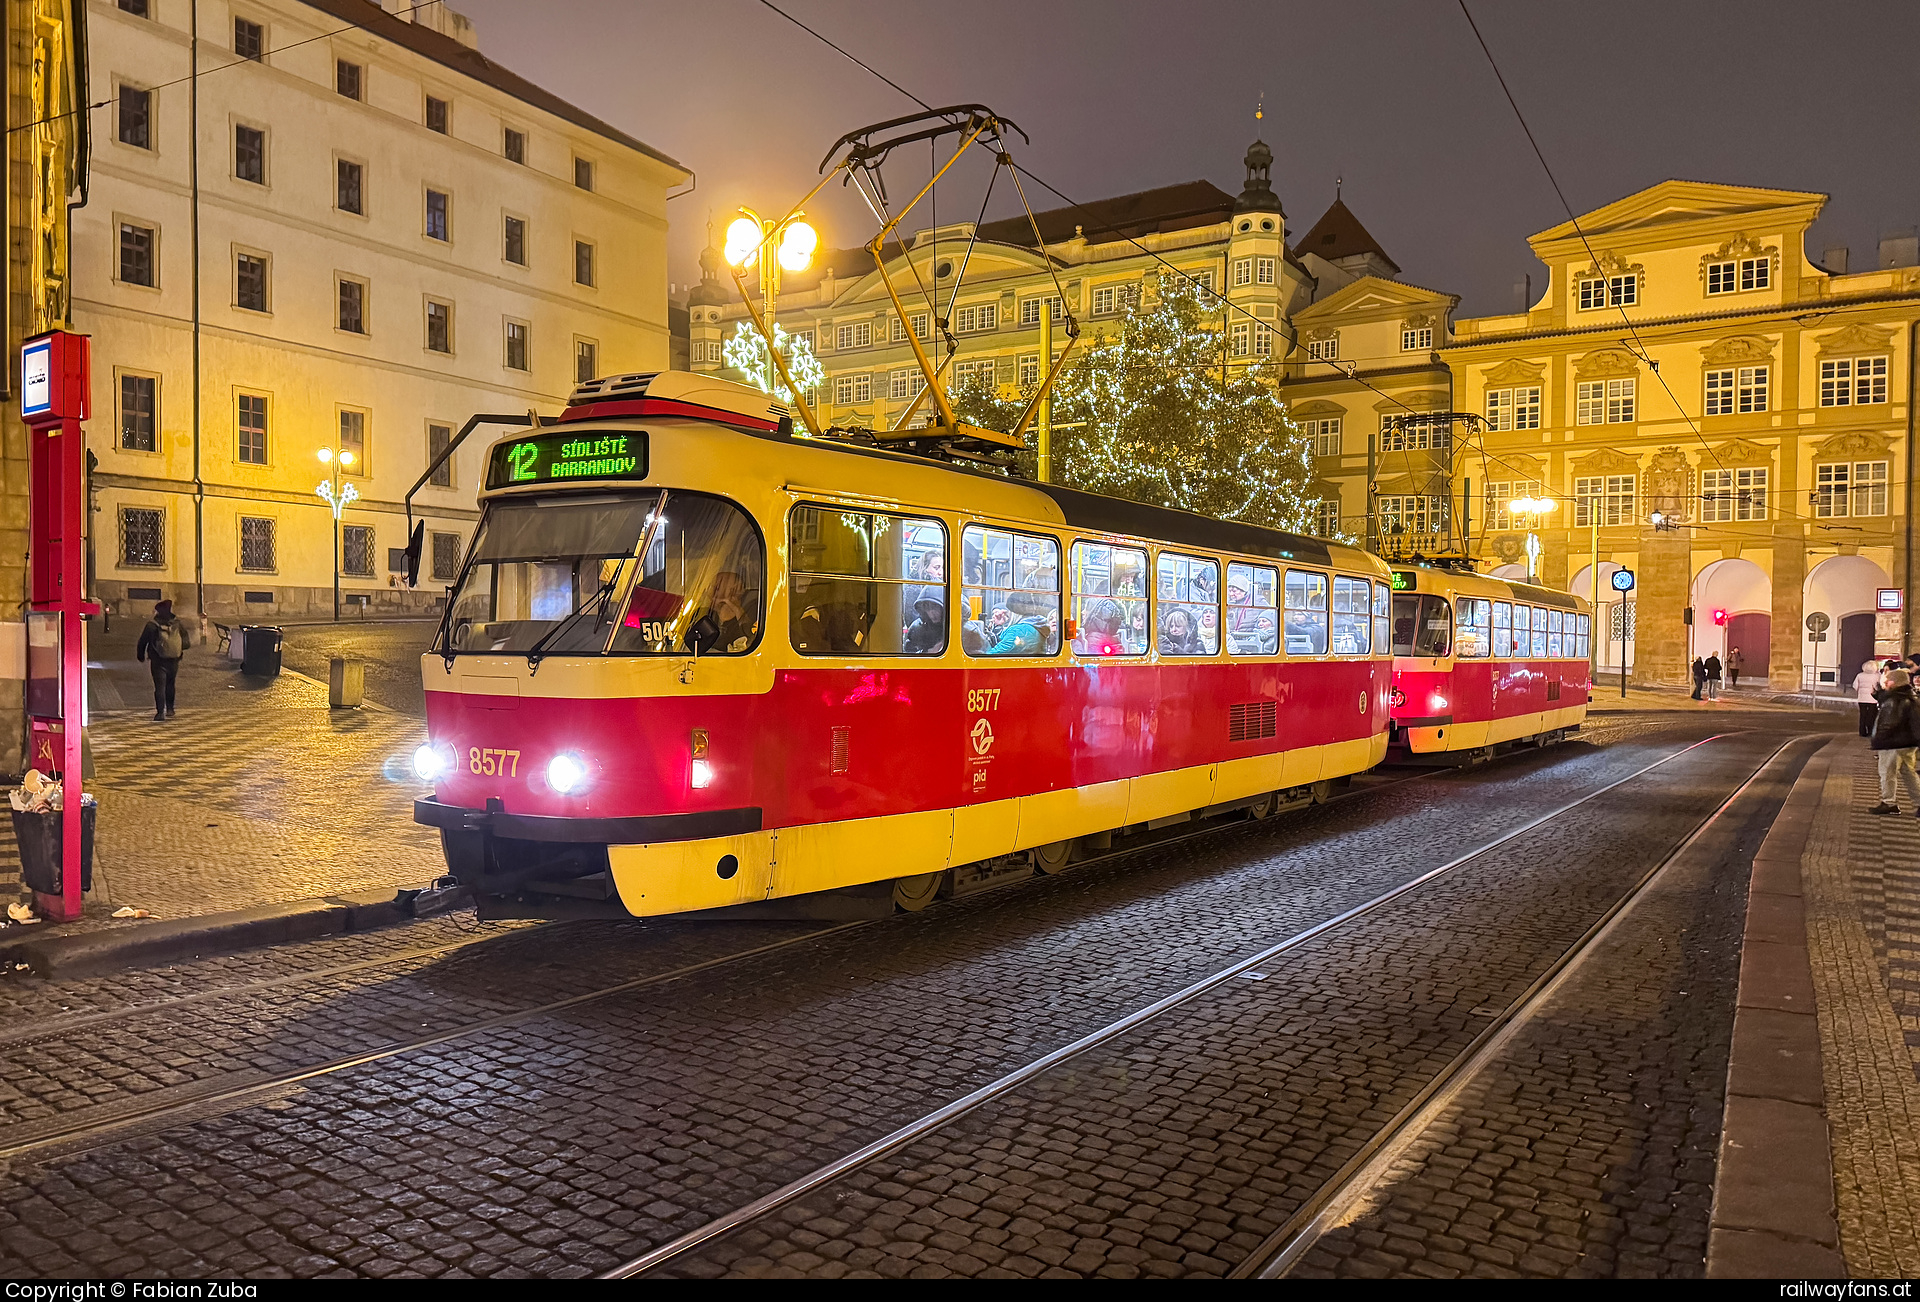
{"type": "Point", "coordinates": [1699, 677]}
{"type": "Point", "coordinates": [1713, 677]}
{"type": "Point", "coordinates": [1735, 663]}
{"type": "Point", "coordinates": [162, 642]}
{"type": "Point", "coordinates": [1896, 742]}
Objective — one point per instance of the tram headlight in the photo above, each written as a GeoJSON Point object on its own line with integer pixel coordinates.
{"type": "Point", "coordinates": [430, 762]}
{"type": "Point", "coordinates": [566, 774]}
{"type": "Point", "coordinates": [701, 774]}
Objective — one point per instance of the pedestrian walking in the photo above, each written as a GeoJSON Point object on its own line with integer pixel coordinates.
{"type": "Point", "coordinates": [1735, 662]}
{"type": "Point", "coordinates": [1713, 678]}
{"type": "Point", "coordinates": [162, 642]}
{"type": "Point", "coordinates": [1699, 677]}
{"type": "Point", "coordinates": [1864, 684]}
{"type": "Point", "coordinates": [1896, 742]}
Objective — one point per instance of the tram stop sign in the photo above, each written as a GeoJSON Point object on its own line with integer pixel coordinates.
{"type": "Point", "coordinates": [1622, 580]}
{"type": "Point", "coordinates": [1818, 622]}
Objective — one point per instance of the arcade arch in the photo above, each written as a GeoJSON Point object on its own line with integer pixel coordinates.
{"type": "Point", "coordinates": [1842, 588]}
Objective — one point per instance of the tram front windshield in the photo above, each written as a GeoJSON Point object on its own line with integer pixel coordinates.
{"type": "Point", "coordinates": [569, 576]}
{"type": "Point", "coordinates": [1422, 624]}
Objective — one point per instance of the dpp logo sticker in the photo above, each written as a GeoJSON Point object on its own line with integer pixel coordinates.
{"type": "Point", "coordinates": [982, 737]}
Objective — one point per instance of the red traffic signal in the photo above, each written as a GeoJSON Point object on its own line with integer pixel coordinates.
{"type": "Point", "coordinates": [1720, 617]}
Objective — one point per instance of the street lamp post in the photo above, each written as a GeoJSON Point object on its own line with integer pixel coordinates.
{"type": "Point", "coordinates": [1533, 508]}
{"type": "Point", "coordinates": [336, 495]}
{"type": "Point", "coordinates": [788, 242]}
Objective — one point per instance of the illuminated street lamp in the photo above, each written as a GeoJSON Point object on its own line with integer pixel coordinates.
{"type": "Point", "coordinates": [1533, 508]}
{"type": "Point", "coordinates": [336, 495]}
{"type": "Point", "coordinates": [787, 244]}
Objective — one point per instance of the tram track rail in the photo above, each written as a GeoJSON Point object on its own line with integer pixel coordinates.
{"type": "Point", "coordinates": [688, 1244]}
{"type": "Point", "coordinates": [91, 1126]}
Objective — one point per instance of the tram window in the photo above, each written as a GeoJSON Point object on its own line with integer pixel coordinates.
{"type": "Point", "coordinates": [867, 583]}
{"type": "Point", "coordinates": [555, 574]}
{"type": "Point", "coordinates": [1382, 619]}
{"type": "Point", "coordinates": [1306, 622]}
{"type": "Point", "coordinates": [1010, 593]}
{"type": "Point", "coordinates": [1422, 624]}
{"type": "Point", "coordinates": [1253, 610]}
{"type": "Point", "coordinates": [1349, 616]}
{"type": "Point", "coordinates": [1109, 600]}
{"type": "Point", "coordinates": [1553, 634]}
{"type": "Point", "coordinates": [1583, 648]}
{"type": "Point", "coordinates": [1189, 601]}
{"type": "Point", "coordinates": [1539, 633]}
{"type": "Point", "coordinates": [1474, 638]}
{"type": "Point", "coordinates": [1502, 629]}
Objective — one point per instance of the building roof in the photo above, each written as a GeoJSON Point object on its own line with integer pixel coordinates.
{"type": "Point", "coordinates": [449, 53]}
{"type": "Point", "coordinates": [1339, 234]}
{"type": "Point", "coordinates": [1169, 208]}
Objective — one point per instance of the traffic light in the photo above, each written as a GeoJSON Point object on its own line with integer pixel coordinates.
{"type": "Point", "coordinates": [1720, 618]}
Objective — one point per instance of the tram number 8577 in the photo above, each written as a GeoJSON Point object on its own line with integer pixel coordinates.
{"type": "Point", "coordinates": [491, 762]}
{"type": "Point", "coordinates": [983, 698]}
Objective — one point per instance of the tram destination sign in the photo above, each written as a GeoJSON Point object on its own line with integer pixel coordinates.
{"type": "Point", "coordinates": [567, 459]}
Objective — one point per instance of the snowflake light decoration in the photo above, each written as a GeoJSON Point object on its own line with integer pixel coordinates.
{"type": "Point", "coordinates": [746, 353]}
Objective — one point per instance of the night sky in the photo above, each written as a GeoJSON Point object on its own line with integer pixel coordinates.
{"type": "Point", "coordinates": [1121, 95]}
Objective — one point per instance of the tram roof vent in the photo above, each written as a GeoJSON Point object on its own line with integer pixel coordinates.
{"type": "Point", "coordinates": [667, 393]}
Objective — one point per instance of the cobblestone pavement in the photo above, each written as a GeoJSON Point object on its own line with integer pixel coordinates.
{"type": "Point", "coordinates": [1176, 1150]}
{"type": "Point", "coordinates": [1861, 877]}
{"type": "Point", "coordinates": [256, 792]}
{"type": "Point", "coordinates": [560, 1143]}
{"type": "Point", "coordinates": [1587, 1147]}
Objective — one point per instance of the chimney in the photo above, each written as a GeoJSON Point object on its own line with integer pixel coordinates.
{"type": "Point", "coordinates": [1900, 249]}
{"type": "Point", "coordinates": [1835, 260]}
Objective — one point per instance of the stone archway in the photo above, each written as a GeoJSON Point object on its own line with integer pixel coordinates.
{"type": "Point", "coordinates": [1745, 593]}
{"type": "Point", "coordinates": [1842, 588]}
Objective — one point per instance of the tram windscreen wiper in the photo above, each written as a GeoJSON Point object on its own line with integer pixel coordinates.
{"type": "Point", "coordinates": [656, 518]}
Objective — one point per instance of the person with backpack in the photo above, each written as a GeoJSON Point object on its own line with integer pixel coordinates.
{"type": "Point", "coordinates": [162, 642]}
{"type": "Point", "coordinates": [1896, 742]}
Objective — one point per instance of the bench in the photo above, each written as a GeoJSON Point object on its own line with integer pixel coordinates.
{"type": "Point", "coordinates": [224, 633]}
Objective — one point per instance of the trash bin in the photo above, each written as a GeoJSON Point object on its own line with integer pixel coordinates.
{"type": "Point", "coordinates": [39, 837]}
{"type": "Point", "coordinates": [261, 658]}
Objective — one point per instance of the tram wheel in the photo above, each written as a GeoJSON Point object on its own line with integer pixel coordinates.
{"type": "Point", "coordinates": [1263, 807]}
{"type": "Point", "coordinates": [1053, 857]}
{"type": "Point", "coordinates": [1322, 792]}
{"type": "Point", "coordinates": [912, 894]}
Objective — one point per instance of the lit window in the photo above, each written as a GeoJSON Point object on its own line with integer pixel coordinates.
{"type": "Point", "coordinates": [1412, 514]}
{"type": "Point", "coordinates": [1408, 434]}
{"type": "Point", "coordinates": [1853, 381]}
{"type": "Point", "coordinates": [1242, 335]}
{"type": "Point", "coordinates": [1326, 518]}
{"type": "Point", "coordinates": [143, 537]}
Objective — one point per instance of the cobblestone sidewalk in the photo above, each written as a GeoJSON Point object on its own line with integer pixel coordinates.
{"type": "Point", "coordinates": [1861, 877]}
{"type": "Point", "coordinates": [256, 793]}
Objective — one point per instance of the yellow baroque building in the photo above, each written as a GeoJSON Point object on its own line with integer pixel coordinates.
{"type": "Point", "coordinates": [1704, 404]}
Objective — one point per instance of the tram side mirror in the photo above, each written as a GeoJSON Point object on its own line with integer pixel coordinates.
{"type": "Point", "coordinates": [418, 537]}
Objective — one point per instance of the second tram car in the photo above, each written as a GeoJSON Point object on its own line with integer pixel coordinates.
{"type": "Point", "coordinates": [1481, 663]}
{"type": "Point", "coordinates": [692, 661]}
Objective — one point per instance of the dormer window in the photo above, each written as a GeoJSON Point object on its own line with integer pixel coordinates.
{"type": "Point", "coordinates": [1323, 350]}
{"type": "Point", "coordinates": [1416, 340]}
{"type": "Point", "coordinates": [1738, 277]}
{"type": "Point", "coordinates": [1609, 291]}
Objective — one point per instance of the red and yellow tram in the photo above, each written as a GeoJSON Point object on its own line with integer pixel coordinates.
{"type": "Point", "coordinates": [693, 661]}
{"type": "Point", "coordinates": [1482, 663]}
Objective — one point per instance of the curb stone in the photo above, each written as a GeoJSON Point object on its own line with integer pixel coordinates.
{"type": "Point", "coordinates": [177, 940]}
{"type": "Point", "coordinates": [1773, 1201]}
